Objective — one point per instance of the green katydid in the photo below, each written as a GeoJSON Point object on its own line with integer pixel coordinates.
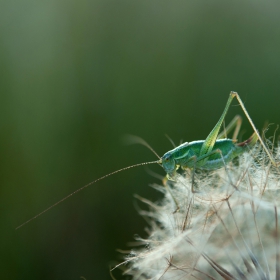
{"type": "Point", "coordinates": [211, 153]}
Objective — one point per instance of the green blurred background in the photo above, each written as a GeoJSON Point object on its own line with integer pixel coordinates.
{"type": "Point", "coordinates": [75, 76]}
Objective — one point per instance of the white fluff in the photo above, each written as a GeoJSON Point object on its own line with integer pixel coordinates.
{"type": "Point", "coordinates": [205, 239]}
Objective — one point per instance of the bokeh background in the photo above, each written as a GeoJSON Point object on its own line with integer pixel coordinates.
{"type": "Point", "coordinates": [76, 76]}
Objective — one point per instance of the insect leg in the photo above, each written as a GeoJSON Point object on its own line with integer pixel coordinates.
{"type": "Point", "coordinates": [195, 160]}
{"type": "Point", "coordinates": [236, 122]}
{"type": "Point", "coordinates": [202, 158]}
{"type": "Point", "coordinates": [193, 173]}
{"type": "Point", "coordinates": [173, 197]}
{"type": "Point", "coordinates": [212, 137]}
{"type": "Point", "coordinates": [175, 178]}
{"type": "Point", "coordinates": [235, 94]}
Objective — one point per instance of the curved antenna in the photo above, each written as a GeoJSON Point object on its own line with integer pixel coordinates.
{"type": "Point", "coordinates": [132, 139]}
{"type": "Point", "coordinates": [85, 186]}
{"type": "Point", "coordinates": [171, 141]}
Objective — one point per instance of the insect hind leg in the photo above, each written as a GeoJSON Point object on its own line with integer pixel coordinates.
{"type": "Point", "coordinates": [235, 94]}
{"type": "Point", "coordinates": [236, 122]}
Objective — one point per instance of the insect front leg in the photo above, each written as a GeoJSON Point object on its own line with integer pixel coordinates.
{"type": "Point", "coordinates": [174, 177]}
{"type": "Point", "coordinates": [165, 184]}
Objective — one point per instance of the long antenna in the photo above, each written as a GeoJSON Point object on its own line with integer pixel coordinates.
{"type": "Point", "coordinates": [87, 185]}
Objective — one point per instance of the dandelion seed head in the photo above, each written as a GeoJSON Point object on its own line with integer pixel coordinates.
{"type": "Point", "coordinates": [228, 228]}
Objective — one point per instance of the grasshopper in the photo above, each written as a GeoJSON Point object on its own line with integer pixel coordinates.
{"type": "Point", "coordinates": [212, 153]}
